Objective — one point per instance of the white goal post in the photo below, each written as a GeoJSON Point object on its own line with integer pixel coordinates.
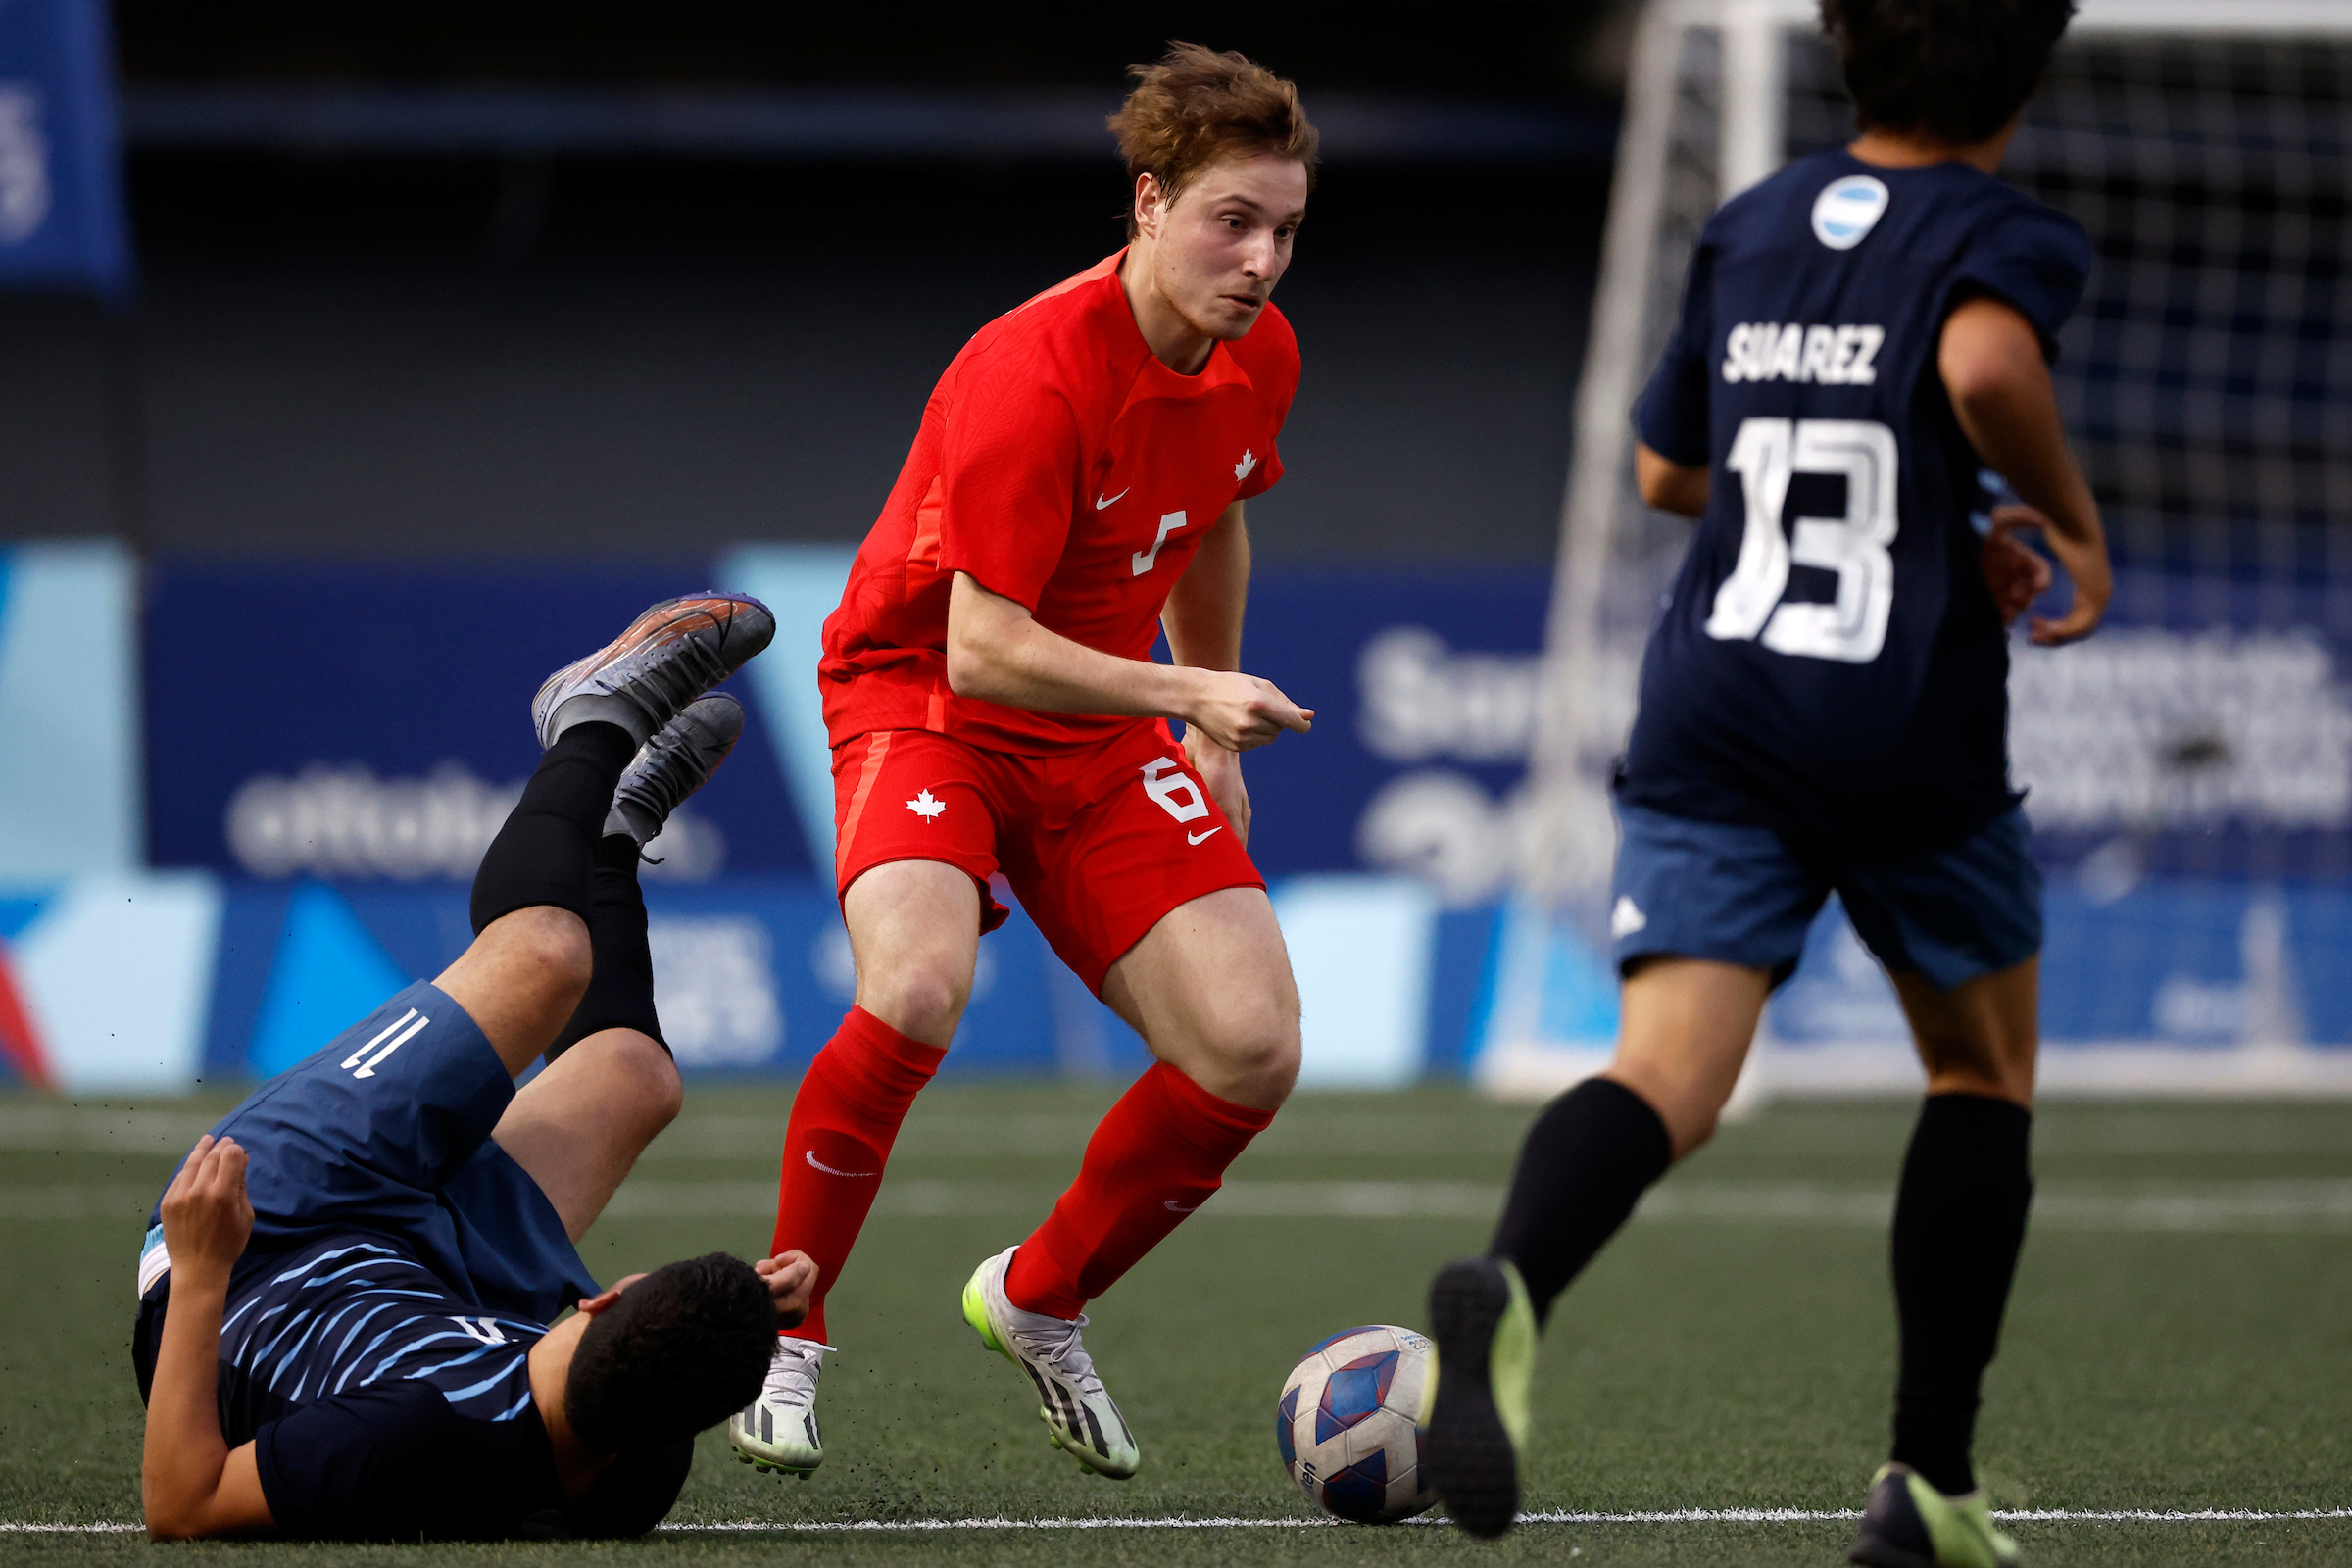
{"type": "Point", "coordinates": [2207, 147]}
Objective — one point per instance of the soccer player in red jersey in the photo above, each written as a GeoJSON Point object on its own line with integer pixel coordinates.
{"type": "Point", "coordinates": [1076, 486]}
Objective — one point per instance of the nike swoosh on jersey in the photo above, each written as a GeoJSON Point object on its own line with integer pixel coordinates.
{"type": "Point", "coordinates": [1104, 500]}
{"type": "Point", "coordinates": [819, 1164]}
{"type": "Point", "coordinates": [1196, 838]}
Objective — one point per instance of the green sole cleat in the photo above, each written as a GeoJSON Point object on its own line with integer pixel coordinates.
{"type": "Point", "coordinates": [1079, 1416]}
{"type": "Point", "coordinates": [1484, 1328]}
{"type": "Point", "coordinates": [1908, 1524]}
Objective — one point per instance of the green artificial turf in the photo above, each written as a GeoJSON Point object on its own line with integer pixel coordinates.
{"type": "Point", "coordinates": [2178, 1338]}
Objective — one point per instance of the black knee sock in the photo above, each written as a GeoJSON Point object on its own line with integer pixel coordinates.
{"type": "Point", "coordinates": [1959, 1220]}
{"type": "Point", "coordinates": [1585, 1162]}
{"type": "Point", "coordinates": [620, 991]}
{"type": "Point", "coordinates": [541, 855]}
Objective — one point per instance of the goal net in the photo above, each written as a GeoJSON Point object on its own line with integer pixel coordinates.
{"type": "Point", "coordinates": [2191, 767]}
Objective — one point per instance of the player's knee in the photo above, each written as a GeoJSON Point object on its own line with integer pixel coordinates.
{"type": "Point", "coordinates": [658, 1089]}
{"type": "Point", "coordinates": [549, 944]}
{"type": "Point", "coordinates": [1258, 1049]}
{"type": "Point", "coordinates": [924, 999]}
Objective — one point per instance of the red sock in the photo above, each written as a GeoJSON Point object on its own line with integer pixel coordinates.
{"type": "Point", "coordinates": [1157, 1156]}
{"type": "Point", "coordinates": [844, 1119]}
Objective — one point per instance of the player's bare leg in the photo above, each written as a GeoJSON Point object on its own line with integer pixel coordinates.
{"type": "Point", "coordinates": [1981, 1037]}
{"type": "Point", "coordinates": [579, 1126]}
{"type": "Point", "coordinates": [914, 931]}
{"type": "Point", "coordinates": [520, 980]}
{"type": "Point", "coordinates": [582, 989]}
{"type": "Point", "coordinates": [1959, 1223]}
{"type": "Point", "coordinates": [1683, 1030]}
{"type": "Point", "coordinates": [1209, 989]}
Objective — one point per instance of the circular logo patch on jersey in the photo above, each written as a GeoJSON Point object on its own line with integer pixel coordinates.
{"type": "Point", "coordinates": [1846, 211]}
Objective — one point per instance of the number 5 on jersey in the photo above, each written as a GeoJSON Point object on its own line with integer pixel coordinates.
{"type": "Point", "coordinates": [1853, 628]}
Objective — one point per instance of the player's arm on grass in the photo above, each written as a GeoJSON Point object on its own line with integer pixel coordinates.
{"type": "Point", "coordinates": [191, 1483]}
{"type": "Point", "coordinates": [998, 652]}
{"type": "Point", "coordinates": [1203, 619]}
{"type": "Point", "coordinates": [1991, 362]}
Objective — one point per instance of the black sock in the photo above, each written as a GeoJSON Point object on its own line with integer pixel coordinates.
{"type": "Point", "coordinates": [620, 991]}
{"type": "Point", "coordinates": [1959, 1220]}
{"type": "Point", "coordinates": [541, 855]}
{"type": "Point", "coordinates": [1585, 1162]}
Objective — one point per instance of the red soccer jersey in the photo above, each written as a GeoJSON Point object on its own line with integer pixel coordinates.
{"type": "Point", "coordinates": [1063, 465]}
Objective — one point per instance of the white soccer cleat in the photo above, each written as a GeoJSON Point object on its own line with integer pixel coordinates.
{"type": "Point", "coordinates": [778, 1429]}
{"type": "Point", "coordinates": [1077, 1411]}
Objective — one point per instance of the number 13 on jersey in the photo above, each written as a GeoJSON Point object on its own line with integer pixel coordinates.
{"type": "Point", "coordinates": [1853, 628]}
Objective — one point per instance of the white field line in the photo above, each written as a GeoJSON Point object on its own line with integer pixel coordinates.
{"type": "Point", "coordinates": [2217, 1206]}
{"type": "Point", "coordinates": [1669, 1516]}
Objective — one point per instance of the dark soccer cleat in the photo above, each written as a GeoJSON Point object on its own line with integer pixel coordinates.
{"type": "Point", "coordinates": [1485, 1326]}
{"type": "Point", "coordinates": [1908, 1524]}
{"type": "Point", "coordinates": [668, 656]}
{"type": "Point", "coordinates": [673, 764]}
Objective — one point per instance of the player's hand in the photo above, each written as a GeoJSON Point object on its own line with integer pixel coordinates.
{"type": "Point", "coordinates": [1221, 770]}
{"type": "Point", "coordinates": [791, 1285]}
{"type": "Point", "coordinates": [2088, 567]}
{"type": "Point", "coordinates": [2015, 572]}
{"type": "Point", "coordinates": [207, 1216]}
{"type": "Point", "coordinates": [1238, 711]}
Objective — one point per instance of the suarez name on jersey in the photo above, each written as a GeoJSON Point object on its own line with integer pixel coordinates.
{"type": "Point", "coordinates": [1062, 466]}
{"type": "Point", "coordinates": [1831, 662]}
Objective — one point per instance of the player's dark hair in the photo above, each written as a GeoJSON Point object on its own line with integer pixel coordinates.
{"type": "Point", "coordinates": [683, 1347]}
{"type": "Point", "coordinates": [1955, 70]}
{"type": "Point", "coordinates": [1196, 105]}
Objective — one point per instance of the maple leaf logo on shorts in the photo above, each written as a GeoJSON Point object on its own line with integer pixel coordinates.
{"type": "Point", "coordinates": [927, 805]}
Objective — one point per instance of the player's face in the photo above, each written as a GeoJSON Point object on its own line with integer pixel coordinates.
{"type": "Point", "coordinates": [1218, 249]}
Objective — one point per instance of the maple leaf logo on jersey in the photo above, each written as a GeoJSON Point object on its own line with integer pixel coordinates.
{"type": "Point", "coordinates": [927, 805]}
{"type": "Point", "coordinates": [1241, 469]}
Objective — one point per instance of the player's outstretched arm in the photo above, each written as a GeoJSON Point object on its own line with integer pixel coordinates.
{"type": "Point", "coordinates": [998, 652]}
{"type": "Point", "coordinates": [191, 1483]}
{"type": "Point", "coordinates": [1991, 360]}
{"type": "Point", "coordinates": [1203, 619]}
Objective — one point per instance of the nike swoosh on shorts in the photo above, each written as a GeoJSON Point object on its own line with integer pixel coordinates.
{"type": "Point", "coordinates": [1198, 838]}
{"type": "Point", "coordinates": [1100, 502]}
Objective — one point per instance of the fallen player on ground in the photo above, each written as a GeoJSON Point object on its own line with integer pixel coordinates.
{"type": "Point", "coordinates": [344, 1295]}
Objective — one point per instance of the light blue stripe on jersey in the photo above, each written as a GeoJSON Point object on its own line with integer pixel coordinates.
{"type": "Point", "coordinates": [355, 1312]}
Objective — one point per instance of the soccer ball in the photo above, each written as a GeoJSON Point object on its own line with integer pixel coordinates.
{"type": "Point", "coordinates": [1352, 1419]}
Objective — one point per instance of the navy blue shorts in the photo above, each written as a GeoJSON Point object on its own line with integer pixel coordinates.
{"type": "Point", "coordinates": [387, 1131]}
{"type": "Point", "coordinates": [1740, 895]}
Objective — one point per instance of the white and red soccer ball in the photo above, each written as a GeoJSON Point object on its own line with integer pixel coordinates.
{"type": "Point", "coordinates": [1352, 1419]}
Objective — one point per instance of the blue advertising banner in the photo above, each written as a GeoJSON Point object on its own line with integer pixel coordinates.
{"type": "Point", "coordinates": [366, 723]}
{"type": "Point", "coordinates": [356, 721]}
{"type": "Point", "coordinates": [61, 196]}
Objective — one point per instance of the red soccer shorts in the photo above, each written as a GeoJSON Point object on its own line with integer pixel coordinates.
{"type": "Point", "coordinates": [1098, 844]}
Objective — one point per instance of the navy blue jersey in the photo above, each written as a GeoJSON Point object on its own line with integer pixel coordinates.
{"type": "Point", "coordinates": [1830, 663]}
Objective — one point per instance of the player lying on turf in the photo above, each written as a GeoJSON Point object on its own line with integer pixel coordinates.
{"type": "Point", "coordinates": [343, 1302]}
{"type": "Point", "coordinates": [1860, 372]}
{"type": "Point", "coordinates": [1077, 485]}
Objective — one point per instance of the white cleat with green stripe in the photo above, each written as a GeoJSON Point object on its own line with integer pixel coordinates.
{"type": "Point", "coordinates": [778, 1429]}
{"type": "Point", "coordinates": [1077, 1412]}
